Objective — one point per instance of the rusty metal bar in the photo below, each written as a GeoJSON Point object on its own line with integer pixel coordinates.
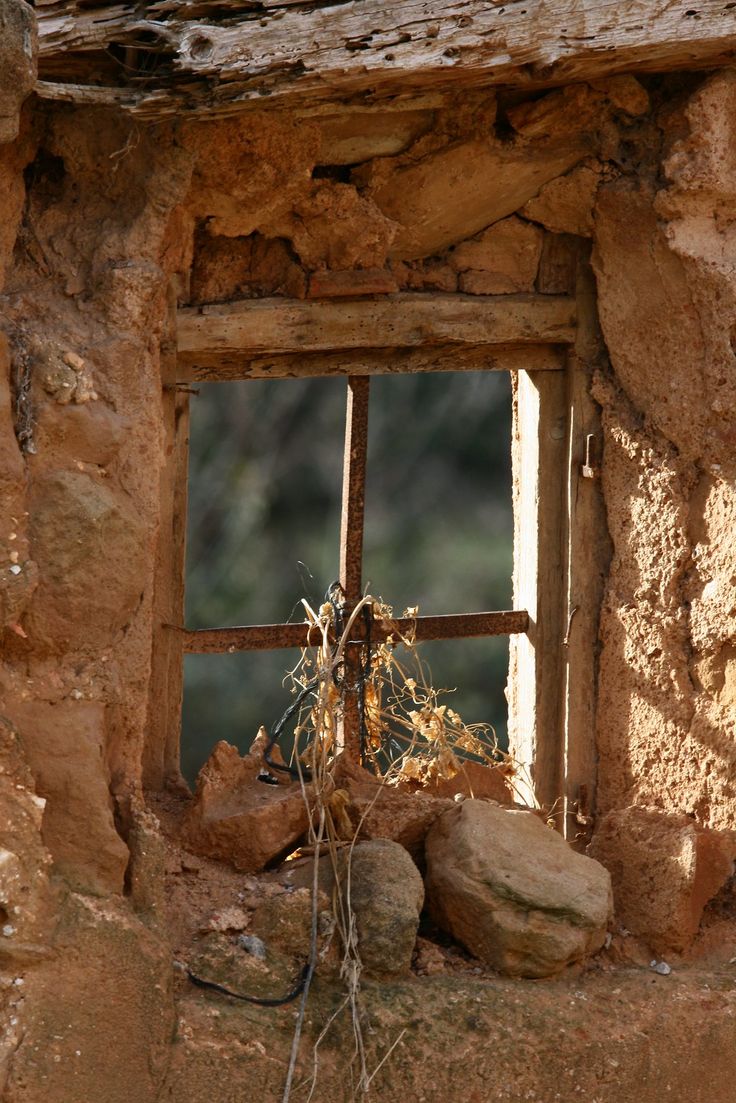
{"type": "Point", "coordinates": [454, 626]}
{"type": "Point", "coordinates": [353, 489]}
{"type": "Point", "coordinates": [270, 637]}
{"type": "Point", "coordinates": [351, 551]}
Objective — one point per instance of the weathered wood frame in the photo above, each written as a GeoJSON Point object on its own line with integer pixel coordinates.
{"type": "Point", "coordinates": [287, 54]}
{"type": "Point", "coordinates": [549, 342]}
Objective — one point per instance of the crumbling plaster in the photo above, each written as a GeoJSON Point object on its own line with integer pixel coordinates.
{"type": "Point", "coordinates": [107, 214]}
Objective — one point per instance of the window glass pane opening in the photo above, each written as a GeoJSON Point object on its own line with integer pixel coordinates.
{"type": "Point", "coordinates": [264, 499]}
{"type": "Point", "coordinates": [264, 519]}
{"type": "Point", "coordinates": [439, 521]}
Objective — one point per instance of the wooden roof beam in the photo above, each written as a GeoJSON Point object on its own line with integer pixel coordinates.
{"type": "Point", "coordinates": [192, 56]}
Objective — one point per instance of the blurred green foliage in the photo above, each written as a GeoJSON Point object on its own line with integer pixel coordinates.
{"type": "Point", "coordinates": [264, 522]}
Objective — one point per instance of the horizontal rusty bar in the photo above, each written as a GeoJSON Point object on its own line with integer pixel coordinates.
{"type": "Point", "coordinates": [253, 637]}
{"type": "Point", "coordinates": [455, 626]}
{"type": "Point", "coordinates": [269, 637]}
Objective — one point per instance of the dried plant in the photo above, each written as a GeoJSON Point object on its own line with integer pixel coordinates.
{"type": "Point", "coordinates": [409, 736]}
{"type": "Point", "coordinates": [410, 733]}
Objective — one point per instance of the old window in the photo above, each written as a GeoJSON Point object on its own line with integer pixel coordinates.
{"type": "Point", "coordinates": [547, 341]}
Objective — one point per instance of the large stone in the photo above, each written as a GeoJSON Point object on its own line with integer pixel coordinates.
{"type": "Point", "coordinates": [513, 892]}
{"type": "Point", "coordinates": [18, 56]}
{"type": "Point", "coordinates": [64, 746]}
{"type": "Point", "coordinates": [386, 894]}
{"type": "Point", "coordinates": [236, 818]}
{"type": "Point", "coordinates": [665, 869]}
{"type": "Point", "coordinates": [462, 189]}
{"type": "Point", "coordinates": [91, 552]}
{"type": "Point", "coordinates": [382, 887]}
{"type": "Point", "coordinates": [347, 139]}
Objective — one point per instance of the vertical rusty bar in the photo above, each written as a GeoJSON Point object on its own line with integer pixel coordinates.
{"type": "Point", "coordinates": [351, 549]}
{"type": "Point", "coordinates": [353, 489]}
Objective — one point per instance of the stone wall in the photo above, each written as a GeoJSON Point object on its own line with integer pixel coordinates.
{"type": "Point", "coordinates": [100, 216]}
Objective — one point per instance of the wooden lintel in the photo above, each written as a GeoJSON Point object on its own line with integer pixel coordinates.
{"type": "Point", "coordinates": [255, 328]}
{"type": "Point", "coordinates": [227, 369]}
{"type": "Point", "coordinates": [191, 58]}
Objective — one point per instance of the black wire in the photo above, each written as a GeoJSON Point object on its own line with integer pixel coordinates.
{"type": "Point", "coordinates": [261, 1001]}
{"type": "Point", "coordinates": [280, 766]}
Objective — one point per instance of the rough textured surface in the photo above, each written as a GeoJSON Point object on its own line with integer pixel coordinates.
{"type": "Point", "coordinates": [103, 226]}
{"type": "Point", "coordinates": [18, 56]}
{"type": "Point", "coordinates": [101, 1011]}
{"type": "Point", "coordinates": [291, 57]}
{"type": "Point", "coordinates": [386, 812]}
{"type": "Point", "coordinates": [502, 260]}
{"type": "Point", "coordinates": [512, 891]}
{"type": "Point", "coordinates": [64, 745]}
{"type": "Point", "coordinates": [565, 205]}
{"type": "Point", "coordinates": [664, 870]}
{"type": "Point", "coordinates": [667, 301]}
{"type": "Point", "coordinates": [238, 819]}
{"type": "Point", "coordinates": [384, 889]}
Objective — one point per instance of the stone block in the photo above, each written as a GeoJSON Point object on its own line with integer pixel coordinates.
{"type": "Point", "coordinates": [565, 205]}
{"type": "Point", "coordinates": [502, 260]}
{"type": "Point", "coordinates": [454, 193]}
{"type": "Point", "coordinates": [236, 818]}
{"type": "Point", "coordinates": [513, 892]}
{"type": "Point", "coordinates": [664, 869]}
{"type": "Point", "coordinates": [379, 811]}
{"type": "Point", "coordinates": [354, 281]}
{"type": "Point", "coordinates": [64, 745]}
{"type": "Point", "coordinates": [347, 139]}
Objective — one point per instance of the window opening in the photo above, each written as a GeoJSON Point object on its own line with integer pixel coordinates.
{"type": "Point", "coordinates": [367, 629]}
{"type": "Point", "coordinates": [550, 344]}
{"type": "Point", "coordinates": [264, 494]}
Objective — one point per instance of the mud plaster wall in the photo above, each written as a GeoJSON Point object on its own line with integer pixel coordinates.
{"type": "Point", "coordinates": [99, 216]}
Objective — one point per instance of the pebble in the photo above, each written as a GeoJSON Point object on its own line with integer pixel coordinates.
{"type": "Point", "coordinates": [661, 967]}
{"type": "Point", "coordinates": [252, 944]}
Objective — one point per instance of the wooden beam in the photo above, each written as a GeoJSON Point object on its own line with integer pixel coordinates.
{"type": "Point", "coordinates": [536, 662]}
{"type": "Point", "coordinates": [163, 727]}
{"type": "Point", "coordinates": [256, 327]}
{"type": "Point", "coordinates": [227, 368]}
{"type": "Point", "coordinates": [191, 56]}
{"type": "Point", "coordinates": [588, 557]}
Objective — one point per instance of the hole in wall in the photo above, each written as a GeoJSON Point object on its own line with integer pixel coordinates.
{"type": "Point", "coordinates": [340, 174]}
{"type": "Point", "coordinates": [45, 176]}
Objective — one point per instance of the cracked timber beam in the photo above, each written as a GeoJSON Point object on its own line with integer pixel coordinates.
{"type": "Point", "coordinates": [425, 331]}
{"type": "Point", "coordinates": [208, 56]}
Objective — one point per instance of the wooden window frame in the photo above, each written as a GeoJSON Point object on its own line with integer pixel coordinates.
{"type": "Point", "coordinates": [550, 343]}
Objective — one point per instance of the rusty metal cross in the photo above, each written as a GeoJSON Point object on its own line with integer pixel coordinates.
{"type": "Point", "coordinates": [264, 637]}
